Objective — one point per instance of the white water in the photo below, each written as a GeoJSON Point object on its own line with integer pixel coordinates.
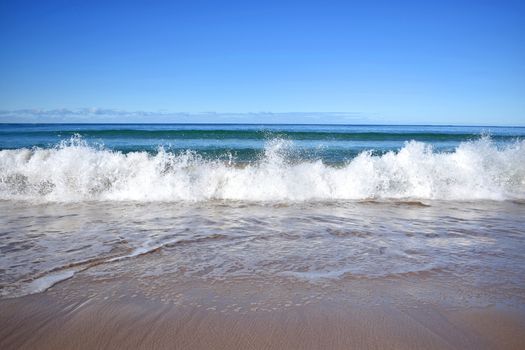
{"type": "Point", "coordinates": [45, 282]}
{"type": "Point", "coordinates": [78, 172]}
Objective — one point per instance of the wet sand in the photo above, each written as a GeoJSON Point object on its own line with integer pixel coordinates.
{"type": "Point", "coordinates": [104, 318]}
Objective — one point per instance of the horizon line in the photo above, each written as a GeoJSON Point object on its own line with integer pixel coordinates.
{"type": "Point", "coordinates": [233, 123]}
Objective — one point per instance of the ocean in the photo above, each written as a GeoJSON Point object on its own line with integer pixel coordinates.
{"type": "Point", "coordinates": [317, 204]}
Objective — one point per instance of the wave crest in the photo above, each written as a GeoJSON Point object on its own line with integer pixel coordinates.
{"type": "Point", "coordinates": [75, 171]}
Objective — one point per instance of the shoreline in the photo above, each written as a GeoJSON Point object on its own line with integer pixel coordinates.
{"type": "Point", "coordinates": [113, 314]}
{"type": "Point", "coordinates": [353, 276]}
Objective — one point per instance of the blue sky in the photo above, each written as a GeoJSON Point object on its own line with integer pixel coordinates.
{"type": "Point", "coordinates": [371, 61]}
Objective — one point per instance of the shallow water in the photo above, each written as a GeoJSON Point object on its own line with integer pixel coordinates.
{"type": "Point", "coordinates": [481, 243]}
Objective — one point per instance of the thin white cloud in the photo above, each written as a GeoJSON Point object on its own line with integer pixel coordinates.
{"type": "Point", "coordinates": [104, 115]}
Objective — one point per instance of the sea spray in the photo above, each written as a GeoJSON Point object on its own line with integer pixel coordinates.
{"type": "Point", "coordinates": [76, 171]}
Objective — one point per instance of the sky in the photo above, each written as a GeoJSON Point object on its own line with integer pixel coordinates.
{"type": "Point", "coordinates": [413, 62]}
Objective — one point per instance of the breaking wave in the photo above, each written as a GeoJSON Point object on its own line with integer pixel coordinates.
{"type": "Point", "coordinates": [76, 171]}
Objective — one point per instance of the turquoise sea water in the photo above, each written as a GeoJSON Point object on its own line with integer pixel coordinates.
{"type": "Point", "coordinates": [246, 142]}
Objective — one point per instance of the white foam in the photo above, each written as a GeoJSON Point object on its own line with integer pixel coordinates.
{"type": "Point", "coordinates": [45, 282]}
{"type": "Point", "coordinates": [78, 172]}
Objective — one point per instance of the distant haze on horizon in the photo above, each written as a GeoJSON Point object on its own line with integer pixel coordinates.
{"type": "Point", "coordinates": [373, 62]}
{"type": "Point", "coordinates": [104, 116]}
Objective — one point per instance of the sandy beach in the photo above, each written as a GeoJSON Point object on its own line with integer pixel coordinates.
{"type": "Point", "coordinates": [256, 315]}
